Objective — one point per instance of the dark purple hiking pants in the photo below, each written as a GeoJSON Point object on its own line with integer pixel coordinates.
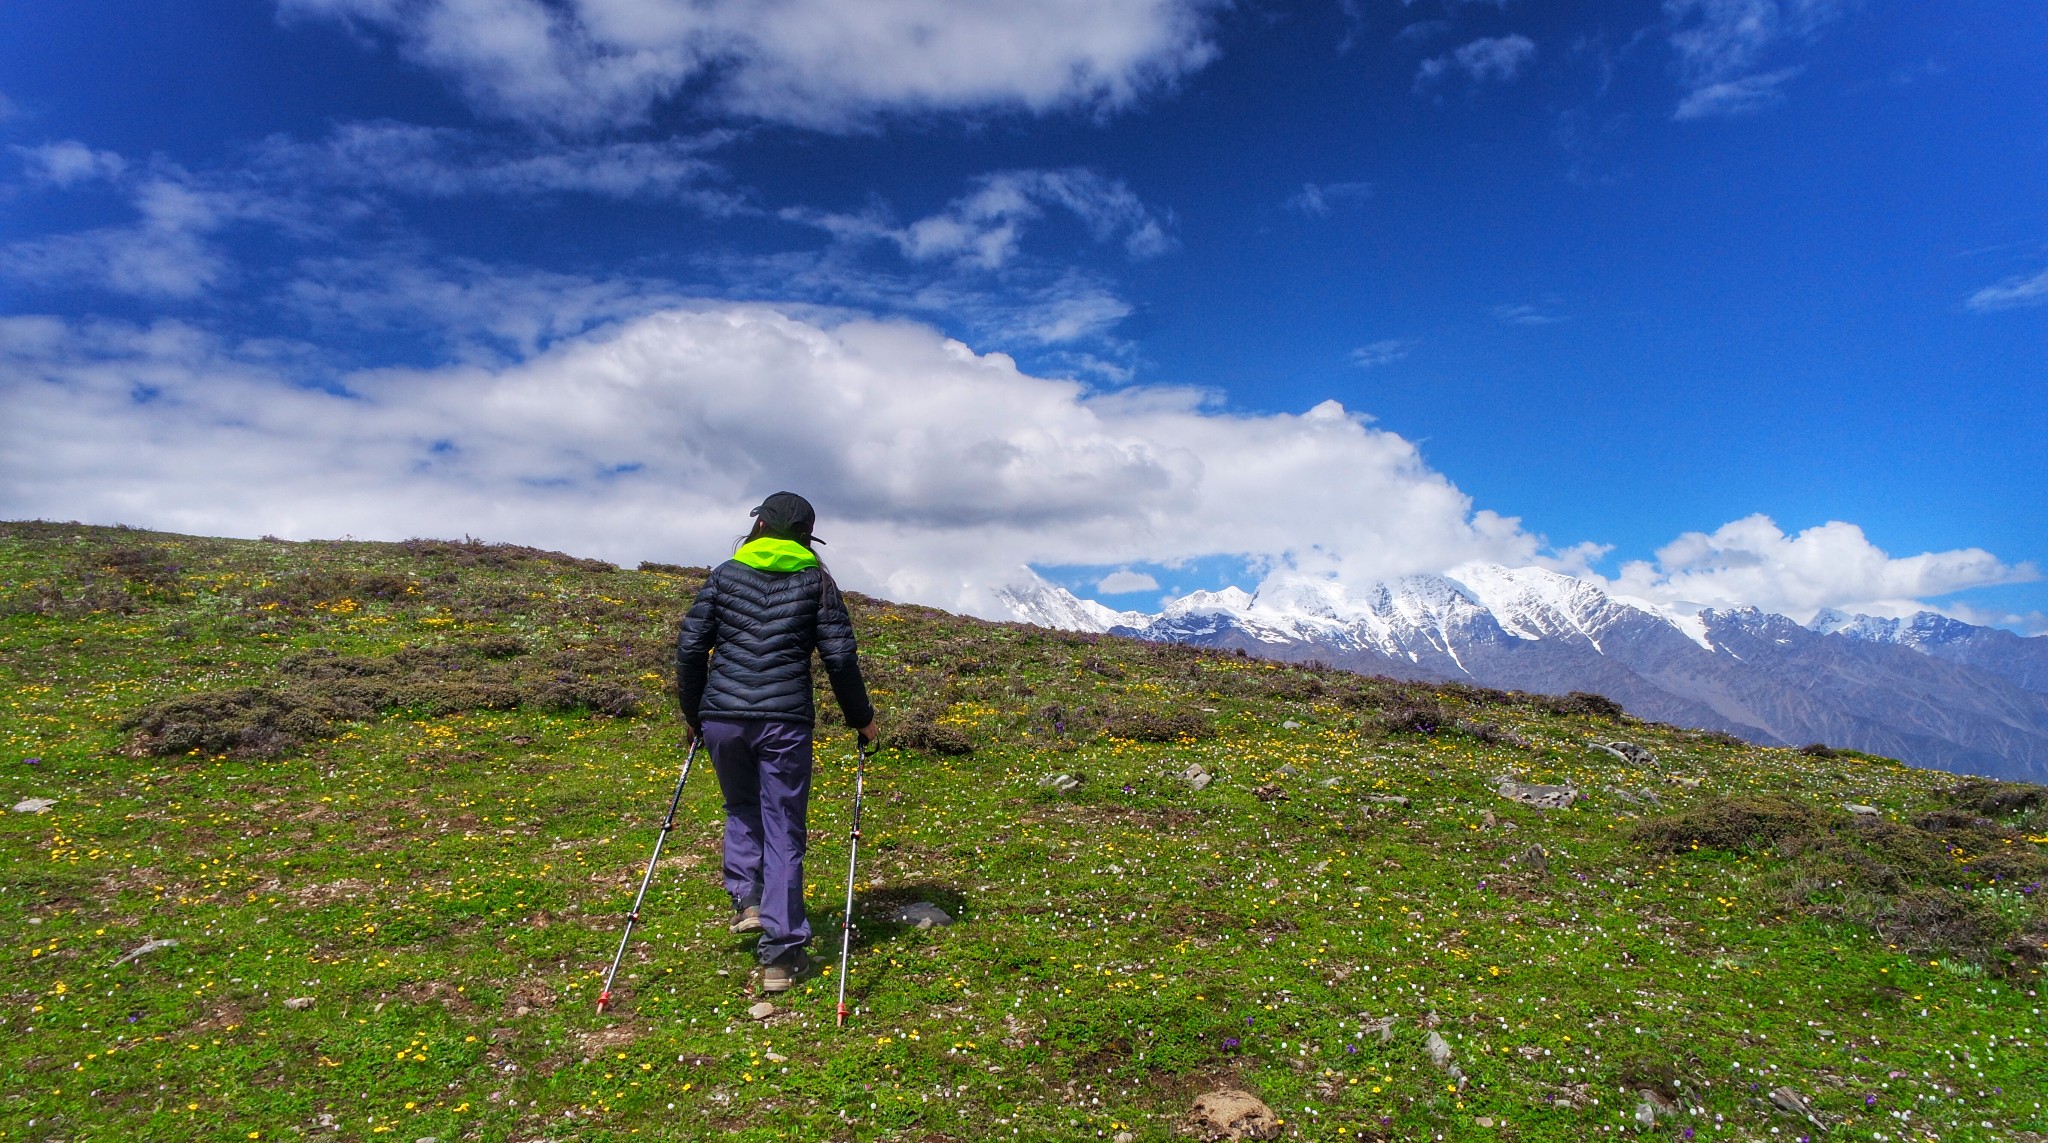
{"type": "Point", "coordinates": [764, 770]}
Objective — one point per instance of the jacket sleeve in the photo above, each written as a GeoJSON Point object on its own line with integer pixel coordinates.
{"type": "Point", "coordinates": [693, 651]}
{"type": "Point", "coordinates": [842, 659]}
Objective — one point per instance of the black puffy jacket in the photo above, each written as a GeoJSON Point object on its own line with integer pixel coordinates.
{"type": "Point", "coordinates": [763, 626]}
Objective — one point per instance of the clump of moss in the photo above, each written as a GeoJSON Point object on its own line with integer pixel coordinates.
{"type": "Point", "coordinates": [922, 730]}
{"type": "Point", "coordinates": [1585, 702]}
{"type": "Point", "coordinates": [1741, 823]}
{"type": "Point", "coordinates": [471, 552]}
{"type": "Point", "coordinates": [1145, 724]}
{"type": "Point", "coordinates": [241, 722]}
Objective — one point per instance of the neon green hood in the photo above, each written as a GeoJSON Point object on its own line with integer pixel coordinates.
{"type": "Point", "coordinates": [773, 555]}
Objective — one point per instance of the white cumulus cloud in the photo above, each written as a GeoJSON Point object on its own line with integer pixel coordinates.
{"type": "Point", "coordinates": [1124, 580]}
{"type": "Point", "coordinates": [943, 472]}
{"type": "Point", "coordinates": [588, 65]}
{"type": "Point", "coordinates": [1752, 561]}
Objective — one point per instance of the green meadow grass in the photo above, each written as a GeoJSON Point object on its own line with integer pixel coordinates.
{"type": "Point", "coordinates": [441, 862]}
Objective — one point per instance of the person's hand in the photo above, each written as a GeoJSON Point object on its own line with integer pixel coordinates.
{"type": "Point", "coordinates": [690, 735]}
{"type": "Point", "coordinates": [870, 734]}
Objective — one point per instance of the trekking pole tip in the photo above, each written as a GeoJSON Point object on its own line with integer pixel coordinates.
{"type": "Point", "coordinates": [604, 999]}
{"type": "Point", "coordinates": [842, 1015]}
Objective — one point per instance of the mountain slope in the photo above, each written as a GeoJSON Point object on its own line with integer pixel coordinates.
{"type": "Point", "coordinates": [411, 789]}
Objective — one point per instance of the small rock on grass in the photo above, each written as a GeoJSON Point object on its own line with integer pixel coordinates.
{"type": "Point", "coordinates": [1852, 807]}
{"type": "Point", "coordinates": [299, 1003]}
{"type": "Point", "coordinates": [142, 949]}
{"type": "Point", "coordinates": [1545, 797]}
{"type": "Point", "coordinates": [761, 1011]}
{"type": "Point", "coordinates": [1059, 783]}
{"type": "Point", "coordinates": [1387, 800]}
{"type": "Point", "coordinates": [1197, 777]}
{"type": "Point", "coordinates": [1230, 1114]}
{"type": "Point", "coordinates": [923, 914]}
{"type": "Point", "coordinates": [34, 805]}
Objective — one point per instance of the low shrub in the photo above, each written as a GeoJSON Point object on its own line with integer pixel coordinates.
{"type": "Point", "coordinates": [1144, 724]}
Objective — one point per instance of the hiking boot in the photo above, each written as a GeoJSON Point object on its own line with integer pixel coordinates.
{"type": "Point", "coordinates": [783, 977]}
{"type": "Point", "coordinates": [748, 920]}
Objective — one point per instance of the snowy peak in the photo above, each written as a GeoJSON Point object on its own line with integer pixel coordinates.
{"type": "Point", "coordinates": [1048, 605]}
{"type": "Point", "coordinates": [1923, 629]}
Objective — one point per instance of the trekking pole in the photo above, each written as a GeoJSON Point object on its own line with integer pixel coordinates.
{"type": "Point", "coordinates": [852, 856]}
{"type": "Point", "coordinates": [604, 998]}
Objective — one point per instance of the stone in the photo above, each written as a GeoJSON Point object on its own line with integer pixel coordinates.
{"type": "Point", "coordinates": [1230, 1114]}
{"type": "Point", "coordinates": [1543, 797]}
{"type": "Point", "coordinates": [1439, 1050]}
{"type": "Point", "coordinates": [1288, 771]}
{"type": "Point", "coordinates": [1646, 1115]}
{"type": "Point", "coordinates": [1629, 752]}
{"type": "Point", "coordinates": [761, 1011]}
{"type": "Point", "coordinates": [1196, 777]}
{"type": "Point", "coordinates": [1270, 792]}
{"type": "Point", "coordinates": [774, 1057]}
{"type": "Point", "coordinates": [299, 1003]}
{"type": "Point", "coordinates": [144, 949]}
{"type": "Point", "coordinates": [1535, 859]}
{"type": "Point", "coordinates": [1859, 811]}
{"type": "Point", "coordinates": [1483, 1121]}
{"type": "Point", "coordinates": [1123, 1137]}
{"type": "Point", "coordinates": [34, 805]}
{"type": "Point", "coordinates": [1787, 1100]}
{"type": "Point", "coordinates": [923, 914]}
{"type": "Point", "coordinates": [1332, 783]}
{"type": "Point", "coordinates": [1058, 783]}
{"type": "Point", "coordinates": [1290, 724]}
{"type": "Point", "coordinates": [1387, 800]}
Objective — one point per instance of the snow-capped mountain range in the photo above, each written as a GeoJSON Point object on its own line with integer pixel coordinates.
{"type": "Point", "coordinates": [1931, 690]}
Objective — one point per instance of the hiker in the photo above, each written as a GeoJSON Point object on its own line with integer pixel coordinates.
{"type": "Point", "coordinates": [743, 675]}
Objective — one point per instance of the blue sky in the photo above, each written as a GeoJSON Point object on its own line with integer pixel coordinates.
{"type": "Point", "coordinates": [1596, 285]}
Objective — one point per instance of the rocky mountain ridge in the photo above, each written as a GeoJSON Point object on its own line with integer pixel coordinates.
{"type": "Point", "coordinates": [1928, 689]}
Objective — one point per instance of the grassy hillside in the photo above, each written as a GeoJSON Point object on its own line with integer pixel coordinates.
{"type": "Point", "coordinates": [416, 784]}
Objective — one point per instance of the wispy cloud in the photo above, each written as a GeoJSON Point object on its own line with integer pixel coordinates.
{"type": "Point", "coordinates": [169, 251]}
{"type": "Point", "coordinates": [984, 228]}
{"type": "Point", "coordinates": [440, 162]}
{"type": "Point", "coordinates": [1492, 59]}
{"type": "Point", "coordinates": [1722, 47]}
{"type": "Point", "coordinates": [1525, 314]}
{"type": "Point", "coordinates": [1384, 352]}
{"type": "Point", "coordinates": [69, 162]}
{"type": "Point", "coordinates": [2011, 294]}
{"type": "Point", "coordinates": [591, 65]}
{"type": "Point", "coordinates": [1320, 200]}
{"type": "Point", "coordinates": [1739, 96]}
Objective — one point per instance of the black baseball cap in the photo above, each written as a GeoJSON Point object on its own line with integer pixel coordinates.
{"type": "Point", "coordinates": [789, 514]}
